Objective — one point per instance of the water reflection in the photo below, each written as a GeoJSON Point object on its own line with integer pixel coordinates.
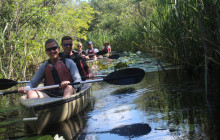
{"type": "Point", "coordinates": [128, 90]}
{"type": "Point", "coordinates": [172, 105]}
{"type": "Point", "coordinates": [134, 130]}
{"type": "Point", "coordinates": [131, 131]}
{"type": "Point", "coordinates": [69, 129]}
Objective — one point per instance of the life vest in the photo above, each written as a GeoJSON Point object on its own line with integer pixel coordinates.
{"type": "Point", "coordinates": [56, 73]}
{"type": "Point", "coordinates": [80, 63]}
{"type": "Point", "coordinates": [106, 48]}
{"type": "Point", "coordinates": [82, 53]}
{"type": "Point", "coordinates": [91, 52]}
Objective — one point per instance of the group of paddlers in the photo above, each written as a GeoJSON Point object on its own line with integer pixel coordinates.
{"type": "Point", "coordinates": [91, 52]}
{"type": "Point", "coordinates": [62, 68]}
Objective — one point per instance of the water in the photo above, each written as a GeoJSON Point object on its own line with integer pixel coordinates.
{"type": "Point", "coordinates": [173, 110]}
{"type": "Point", "coordinates": [164, 106]}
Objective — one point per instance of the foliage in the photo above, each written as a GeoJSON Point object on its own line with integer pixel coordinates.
{"type": "Point", "coordinates": [27, 24]}
{"type": "Point", "coordinates": [45, 137]}
{"type": "Point", "coordinates": [186, 29]}
{"type": "Point", "coordinates": [181, 31]}
{"type": "Point", "coordinates": [115, 24]}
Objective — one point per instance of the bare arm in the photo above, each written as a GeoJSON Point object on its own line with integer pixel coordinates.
{"type": "Point", "coordinates": [35, 81]}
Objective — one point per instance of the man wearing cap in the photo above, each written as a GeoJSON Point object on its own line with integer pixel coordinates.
{"type": "Point", "coordinates": [91, 52]}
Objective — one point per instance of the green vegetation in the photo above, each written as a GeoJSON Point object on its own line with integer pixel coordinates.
{"type": "Point", "coordinates": [46, 137]}
{"type": "Point", "coordinates": [183, 32]}
{"type": "Point", "coordinates": [27, 24]}
{"type": "Point", "coordinates": [179, 31]}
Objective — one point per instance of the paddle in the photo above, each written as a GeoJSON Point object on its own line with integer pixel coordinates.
{"type": "Point", "coordinates": [121, 77]}
{"type": "Point", "coordinates": [7, 83]}
{"type": "Point", "coordinates": [94, 76]}
{"type": "Point", "coordinates": [102, 52]}
{"type": "Point", "coordinates": [115, 56]}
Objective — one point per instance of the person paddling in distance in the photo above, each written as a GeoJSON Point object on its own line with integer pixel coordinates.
{"type": "Point", "coordinates": [91, 52]}
{"type": "Point", "coordinates": [106, 46]}
{"type": "Point", "coordinates": [54, 71]}
{"type": "Point", "coordinates": [81, 52]}
{"type": "Point", "coordinates": [67, 45]}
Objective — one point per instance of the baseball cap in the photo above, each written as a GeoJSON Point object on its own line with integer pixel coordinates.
{"type": "Point", "coordinates": [90, 42]}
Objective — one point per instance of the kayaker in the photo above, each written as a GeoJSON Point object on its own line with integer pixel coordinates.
{"type": "Point", "coordinates": [106, 46]}
{"type": "Point", "coordinates": [54, 71]}
{"type": "Point", "coordinates": [81, 52]}
{"type": "Point", "coordinates": [91, 52]}
{"type": "Point", "coordinates": [67, 44]}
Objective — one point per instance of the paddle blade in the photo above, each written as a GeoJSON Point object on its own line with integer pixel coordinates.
{"type": "Point", "coordinates": [125, 76]}
{"type": "Point", "coordinates": [102, 52]}
{"type": "Point", "coordinates": [7, 83]}
{"type": "Point", "coordinates": [8, 92]}
{"type": "Point", "coordinates": [116, 56]}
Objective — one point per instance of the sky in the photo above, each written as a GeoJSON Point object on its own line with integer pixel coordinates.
{"type": "Point", "coordinates": [79, 0]}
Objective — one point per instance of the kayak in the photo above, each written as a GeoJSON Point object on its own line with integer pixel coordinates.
{"type": "Point", "coordinates": [97, 59]}
{"type": "Point", "coordinates": [39, 113]}
{"type": "Point", "coordinates": [72, 128]}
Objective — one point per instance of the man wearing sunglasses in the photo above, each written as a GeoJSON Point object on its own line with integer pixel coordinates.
{"type": "Point", "coordinates": [54, 71]}
{"type": "Point", "coordinates": [67, 44]}
{"type": "Point", "coordinates": [91, 51]}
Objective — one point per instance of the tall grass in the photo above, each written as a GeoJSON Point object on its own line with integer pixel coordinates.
{"type": "Point", "coordinates": [119, 41]}
{"type": "Point", "coordinates": [168, 29]}
{"type": "Point", "coordinates": [99, 37]}
{"type": "Point", "coordinates": [27, 24]}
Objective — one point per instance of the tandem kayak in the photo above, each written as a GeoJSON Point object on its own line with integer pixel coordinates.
{"type": "Point", "coordinates": [40, 113]}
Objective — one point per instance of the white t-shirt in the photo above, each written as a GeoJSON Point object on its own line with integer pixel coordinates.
{"type": "Point", "coordinates": [108, 47]}
{"type": "Point", "coordinates": [95, 50]}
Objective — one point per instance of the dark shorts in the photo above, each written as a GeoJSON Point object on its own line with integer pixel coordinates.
{"type": "Point", "coordinates": [56, 92]}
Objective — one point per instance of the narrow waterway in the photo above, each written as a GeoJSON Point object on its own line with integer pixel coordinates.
{"type": "Point", "coordinates": [164, 106]}
{"type": "Point", "coordinates": [160, 107]}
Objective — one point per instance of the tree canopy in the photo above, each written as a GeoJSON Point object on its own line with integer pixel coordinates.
{"type": "Point", "coordinates": [179, 31]}
{"type": "Point", "coordinates": [27, 24]}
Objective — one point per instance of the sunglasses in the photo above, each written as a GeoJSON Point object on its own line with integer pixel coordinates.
{"type": "Point", "coordinates": [66, 45]}
{"type": "Point", "coordinates": [79, 46]}
{"type": "Point", "coordinates": [52, 48]}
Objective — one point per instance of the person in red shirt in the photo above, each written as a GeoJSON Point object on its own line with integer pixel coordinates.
{"type": "Point", "coordinates": [91, 52]}
{"type": "Point", "coordinates": [106, 46]}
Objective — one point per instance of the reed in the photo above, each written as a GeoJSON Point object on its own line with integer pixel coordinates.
{"type": "Point", "coordinates": [169, 30]}
{"type": "Point", "coordinates": [175, 28]}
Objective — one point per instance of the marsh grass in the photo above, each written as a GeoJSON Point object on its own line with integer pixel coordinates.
{"type": "Point", "coordinates": [168, 29]}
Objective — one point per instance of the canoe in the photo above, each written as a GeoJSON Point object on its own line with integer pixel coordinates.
{"type": "Point", "coordinates": [40, 113]}
{"type": "Point", "coordinates": [91, 60]}
{"type": "Point", "coordinates": [105, 56]}
{"type": "Point", "coordinates": [72, 128]}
